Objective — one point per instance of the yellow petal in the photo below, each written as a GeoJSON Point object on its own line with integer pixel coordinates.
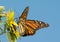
{"type": "Point", "coordinates": [17, 33]}
{"type": "Point", "coordinates": [12, 15]}
{"type": "Point", "coordinates": [15, 23]}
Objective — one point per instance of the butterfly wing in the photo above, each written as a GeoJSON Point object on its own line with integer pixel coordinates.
{"type": "Point", "coordinates": [35, 24]}
{"type": "Point", "coordinates": [29, 27]}
{"type": "Point", "coordinates": [28, 30]}
{"type": "Point", "coordinates": [23, 17]}
{"type": "Point", "coordinates": [32, 25]}
{"type": "Point", "coordinates": [25, 29]}
{"type": "Point", "coordinates": [24, 14]}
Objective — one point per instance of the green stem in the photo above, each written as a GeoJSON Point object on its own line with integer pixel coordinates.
{"type": "Point", "coordinates": [10, 38]}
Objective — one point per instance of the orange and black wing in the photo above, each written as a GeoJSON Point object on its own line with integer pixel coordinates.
{"type": "Point", "coordinates": [28, 30]}
{"type": "Point", "coordinates": [23, 17]}
{"type": "Point", "coordinates": [24, 14]}
{"type": "Point", "coordinates": [25, 30]}
{"type": "Point", "coordinates": [31, 26]}
{"type": "Point", "coordinates": [36, 24]}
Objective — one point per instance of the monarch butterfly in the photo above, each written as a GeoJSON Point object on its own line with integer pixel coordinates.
{"type": "Point", "coordinates": [29, 27]}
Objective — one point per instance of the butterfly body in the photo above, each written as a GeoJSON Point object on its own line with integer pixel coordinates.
{"type": "Point", "coordinates": [29, 27]}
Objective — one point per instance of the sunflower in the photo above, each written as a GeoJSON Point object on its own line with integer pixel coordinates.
{"type": "Point", "coordinates": [10, 24]}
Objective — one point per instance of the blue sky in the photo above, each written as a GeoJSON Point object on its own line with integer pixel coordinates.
{"type": "Point", "coordinates": [42, 10]}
